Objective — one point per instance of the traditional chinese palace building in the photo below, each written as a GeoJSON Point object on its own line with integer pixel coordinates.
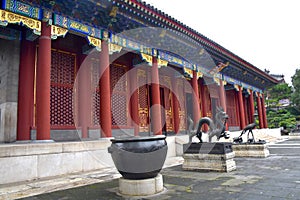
{"type": "Point", "coordinates": [72, 69]}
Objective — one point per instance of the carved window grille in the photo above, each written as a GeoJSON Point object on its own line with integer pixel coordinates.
{"type": "Point", "coordinates": [166, 83]}
{"type": "Point", "coordinates": [143, 101]}
{"type": "Point", "coordinates": [119, 95]}
{"type": "Point", "coordinates": [95, 94]}
{"type": "Point", "coordinates": [181, 100]}
{"type": "Point", "coordinates": [63, 69]}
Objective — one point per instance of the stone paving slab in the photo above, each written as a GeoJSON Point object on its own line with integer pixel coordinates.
{"type": "Point", "coordinates": [268, 178]}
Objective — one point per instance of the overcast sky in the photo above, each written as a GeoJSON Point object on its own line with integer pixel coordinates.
{"type": "Point", "coordinates": [265, 33]}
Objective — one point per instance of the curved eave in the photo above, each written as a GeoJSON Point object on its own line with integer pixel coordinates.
{"type": "Point", "coordinates": [133, 14]}
{"type": "Point", "coordinates": [203, 40]}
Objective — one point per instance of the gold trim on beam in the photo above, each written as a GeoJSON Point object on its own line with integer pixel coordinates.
{"type": "Point", "coordinates": [222, 66]}
{"type": "Point", "coordinates": [217, 80]}
{"type": "Point", "coordinates": [199, 74]}
{"type": "Point", "coordinates": [114, 48]}
{"type": "Point", "coordinates": [162, 63]}
{"type": "Point", "coordinates": [147, 58]}
{"type": "Point", "coordinates": [58, 32]}
{"type": "Point", "coordinates": [9, 17]}
{"type": "Point", "coordinates": [188, 71]}
{"type": "Point", "coordinates": [94, 42]}
{"type": "Point", "coordinates": [236, 87]}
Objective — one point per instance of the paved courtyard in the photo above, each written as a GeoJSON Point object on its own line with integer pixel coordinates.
{"type": "Point", "coordinates": [275, 177]}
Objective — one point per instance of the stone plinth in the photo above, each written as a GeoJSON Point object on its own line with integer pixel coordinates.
{"type": "Point", "coordinates": [209, 157]}
{"type": "Point", "coordinates": [142, 187]}
{"type": "Point", "coordinates": [251, 150]}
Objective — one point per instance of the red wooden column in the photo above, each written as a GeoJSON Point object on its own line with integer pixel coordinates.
{"type": "Point", "coordinates": [203, 103]}
{"type": "Point", "coordinates": [105, 96]}
{"type": "Point", "coordinates": [222, 95]}
{"type": "Point", "coordinates": [196, 108]}
{"type": "Point", "coordinates": [260, 112]}
{"type": "Point", "coordinates": [155, 96]}
{"type": "Point", "coordinates": [264, 113]}
{"type": "Point", "coordinates": [134, 101]}
{"type": "Point", "coordinates": [252, 110]}
{"type": "Point", "coordinates": [84, 95]}
{"type": "Point", "coordinates": [43, 78]}
{"type": "Point", "coordinates": [175, 105]}
{"type": "Point", "coordinates": [241, 108]}
{"type": "Point", "coordinates": [203, 99]}
{"type": "Point", "coordinates": [223, 98]}
{"type": "Point", "coordinates": [246, 110]}
{"type": "Point", "coordinates": [26, 89]}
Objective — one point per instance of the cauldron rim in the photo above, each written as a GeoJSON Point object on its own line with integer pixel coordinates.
{"type": "Point", "coordinates": [138, 138]}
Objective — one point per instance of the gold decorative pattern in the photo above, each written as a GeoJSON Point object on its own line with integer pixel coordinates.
{"type": "Point", "coordinates": [188, 71]}
{"type": "Point", "coordinates": [114, 11]}
{"type": "Point", "coordinates": [236, 87]}
{"type": "Point", "coordinates": [162, 63]}
{"type": "Point", "coordinates": [114, 48]}
{"type": "Point", "coordinates": [147, 58]}
{"type": "Point", "coordinates": [216, 80]}
{"type": "Point", "coordinates": [199, 74]}
{"type": "Point", "coordinates": [169, 120]}
{"type": "Point", "coordinates": [94, 42]}
{"type": "Point", "coordinates": [58, 32]}
{"type": "Point", "coordinates": [141, 73]}
{"type": "Point", "coordinates": [13, 18]}
{"type": "Point", "coordinates": [143, 118]}
{"type": "Point", "coordinates": [182, 119]}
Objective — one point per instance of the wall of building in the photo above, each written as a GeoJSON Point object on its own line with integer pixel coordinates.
{"type": "Point", "coordinates": [22, 162]}
{"type": "Point", "coordinates": [9, 72]}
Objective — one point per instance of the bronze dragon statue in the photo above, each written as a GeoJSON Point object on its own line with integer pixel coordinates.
{"type": "Point", "coordinates": [217, 129]}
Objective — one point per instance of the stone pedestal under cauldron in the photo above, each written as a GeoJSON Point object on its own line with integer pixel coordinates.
{"type": "Point", "coordinates": [215, 156]}
{"type": "Point", "coordinates": [139, 160]}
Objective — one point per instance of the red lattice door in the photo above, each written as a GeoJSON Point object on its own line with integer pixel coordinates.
{"type": "Point", "coordinates": [231, 104]}
{"type": "Point", "coordinates": [95, 94]}
{"type": "Point", "coordinates": [207, 101]}
{"type": "Point", "coordinates": [143, 101]}
{"type": "Point", "coordinates": [166, 81]}
{"type": "Point", "coordinates": [63, 69]}
{"type": "Point", "coordinates": [181, 100]}
{"type": "Point", "coordinates": [119, 99]}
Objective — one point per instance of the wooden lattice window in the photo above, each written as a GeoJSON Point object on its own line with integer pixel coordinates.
{"type": "Point", "coordinates": [63, 69]}
{"type": "Point", "coordinates": [181, 100]}
{"type": "Point", "coordinates": [143, 101]}
{"type": "Point", "coordinates": [95, 94]}
{"type": "Point", "coordinates": [119, 95]}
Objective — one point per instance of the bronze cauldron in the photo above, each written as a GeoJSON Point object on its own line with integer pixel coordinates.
{"type": "Point", "coordinates": [139, 157]}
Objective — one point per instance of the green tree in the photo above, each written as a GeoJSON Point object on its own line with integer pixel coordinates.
{"type": "Point", "coordinates": [296, 94]}
{"type": "Point", "coordinates": [277, 93]}
{"type": "Point", "coordinates": [279, 116]}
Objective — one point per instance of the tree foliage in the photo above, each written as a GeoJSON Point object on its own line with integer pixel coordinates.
{"type": "Point", "coordinates": [281, 118]}
{"type": "Point", "coordinates": [277, 114]}
{"type": "Point", "coordinates": [279, 92]}
{"type": "Point", "coordinates": [296, 94]}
